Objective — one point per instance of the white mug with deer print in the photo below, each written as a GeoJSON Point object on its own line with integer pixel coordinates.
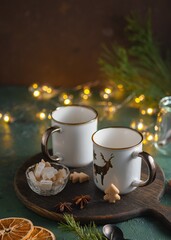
{"type": "Point", "coordinates": [118, 157]}
{"type": "Point", "coordinates": [71, 128]}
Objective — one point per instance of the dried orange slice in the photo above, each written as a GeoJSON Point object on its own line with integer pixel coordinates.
{"type": "Point", "coordinates": [15, 228]}
{"type": "Point", "coordinates": [41, 233]}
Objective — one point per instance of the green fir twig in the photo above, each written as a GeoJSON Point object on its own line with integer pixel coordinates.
{"type": "Point", "coordinates": [140, 67]}
{"type": "Point", "coordinates": [85, 232]}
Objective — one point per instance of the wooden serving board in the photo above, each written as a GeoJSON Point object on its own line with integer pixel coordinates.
{"type": "Point", "coordinates": [140, 202]}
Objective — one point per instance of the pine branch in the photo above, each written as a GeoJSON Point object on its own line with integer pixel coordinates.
{"type": "Point", "coordinates": [140, 68]}
{"type": "Point", "coordinates": [86, 232]}
{"type": "Point", "coordinates": [144, 48]}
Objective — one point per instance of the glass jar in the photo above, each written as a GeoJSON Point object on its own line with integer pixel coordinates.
{"type": "Point", "coordinates": [163, 127]}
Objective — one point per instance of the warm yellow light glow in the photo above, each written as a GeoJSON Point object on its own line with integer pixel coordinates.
{"type": "Point", "coordinates": [67, 101]}
{"type": "Point", "coordinates": [65, 96]}
{"type": "Point", "coordinates": [139, 99]}
{"type": "Point", "coordinates": [49, 116]}
{"type": "Point", "coordinates": [105, 96]}
{"type": "Point", "coordinates": [36, 93]}
{"type": "Point", "coordinates": [120, 86]}
{"type": "Point", "coordinates": [150, 137]}
{"type": "Point", "coordinates": [156, 128]}
{"type": "Point", "coordinates": [85, 96]}
{"type": "Point", "coordinates": [6, 118]}
{"type": "Point", "coordinates": [159, 119]}
{"type": "Point", "coordinates": [42, 115]}
{"type": "Point", "coordinates": [1, 115]}
{"type": "Point", "coordinates": [156, 137]}
{"type": "Point", "coordinates": [133, 124]}
{"type": "Point", "coordinates": [108, 90]}
{"type": "Point", "coordinates": [140, 126]}
{"type": "Point", "coordinates": [111, 109]}
{"type": "Point", "coordinates": [150, 111]}
{"type": "Point", "coordinates": [143, 111]}
{"type": "Point", "coordinates": [35, 85]}
{"type": "Point", "coordinates": [49, 90]}
{"type": "Point", "coordinates": [44, 88]}
{"type": "Point", "coordinates": [86, 91]}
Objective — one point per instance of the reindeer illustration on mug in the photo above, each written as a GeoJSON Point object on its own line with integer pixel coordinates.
{"type": "Point", "coordinates": [102, 170]}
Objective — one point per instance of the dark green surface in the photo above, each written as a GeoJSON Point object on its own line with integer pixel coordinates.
{"type": "Point", "coordinates": [20, 140]}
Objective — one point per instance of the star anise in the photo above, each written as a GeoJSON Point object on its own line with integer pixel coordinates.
{"type": "Point", "coordinates": [82, 200]}
{"type": "Point", "coordinates": [63, 207]}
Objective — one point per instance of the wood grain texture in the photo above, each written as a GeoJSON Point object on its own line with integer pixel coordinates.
{"type": "Point", "coordinates": [59, 43]}
{"type": "Point", "coordinates": [143, 201]}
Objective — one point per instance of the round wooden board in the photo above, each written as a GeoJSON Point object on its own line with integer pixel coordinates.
{"type": "Point", "coordinates": [142, 201]}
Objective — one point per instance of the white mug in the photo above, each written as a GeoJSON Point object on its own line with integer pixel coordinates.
{"type": "Point", "coordinates": [72, 127]}
{"type": "Point", "coordinates": [117, 159]}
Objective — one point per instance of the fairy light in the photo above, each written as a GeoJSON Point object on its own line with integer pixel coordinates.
{"type": "Point", "coordinates": [49, 90]}
{"type": "Point", "coordinates": [148, 137]}
{"type": "Point", "coordinates": [109, 110]}
{"type": "Point", "coordinates": [42, 92]}
{"type": "Point", "coordinates": [65, 98]}
{"type": "Point", "coordinates": [106, 93]}
{"type": "Point", "coordinates": [143, 111]}
{"type": "Point", "coordinates": [149, 111]}
{"type": "Point", "coordinates": [36, 93]}
{"type": "Point", "coordinates": [86, 93]}
{"type": "Point", "coordinates": [106, 96]}
{"type": "Point", "coordinates": [156, 128]}
{"type": "Point", "coordinates": [133, 125]}
{"type": "Point", "coordinates": [42, 115]}
{"type": "Point", "coordinates": [7, 118]}
{"type": "Point", "coordinates": [85, 97]}
{"type": "Point", "coordinates": [34, 85]}
{"type": "Point", "coordinates": [140, 126]}
{"type": "Point", "coordinates": [120, 86]}
{"type": "Point", "coordinates": [49, 116]}
{"type": "Point", "coordinates": [139, 99]}
{"type": "Point", "coordinates": [67, 101]}
{"type": "Point", "coordinates": [156, 136]}
{"type": "Point", "coordinates": [44, 88]}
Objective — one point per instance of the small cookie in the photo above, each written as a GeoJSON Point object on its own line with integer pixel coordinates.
{"type": "Point", "coordinates": [112, 194]}
{"type": "Point", "coordinates": [83, 177]}
{"type": "Point", "coordinates": [79, 177]}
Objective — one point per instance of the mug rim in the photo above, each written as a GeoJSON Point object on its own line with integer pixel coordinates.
{"type": "Point", "coordinates": [76, 105]}
{"type": "Point", "coordinates": [118, 148]}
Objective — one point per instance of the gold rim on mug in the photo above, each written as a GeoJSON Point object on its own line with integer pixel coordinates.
{"type": "Point", "coordinates": [76, 105]}
{"type": "Point", "coordinates": [120, 148]}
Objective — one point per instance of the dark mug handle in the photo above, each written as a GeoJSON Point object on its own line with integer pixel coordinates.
{"type": "Point", "coordinates": [151, 169]}
{"type": "Point", "coordinates": [44, 143]}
